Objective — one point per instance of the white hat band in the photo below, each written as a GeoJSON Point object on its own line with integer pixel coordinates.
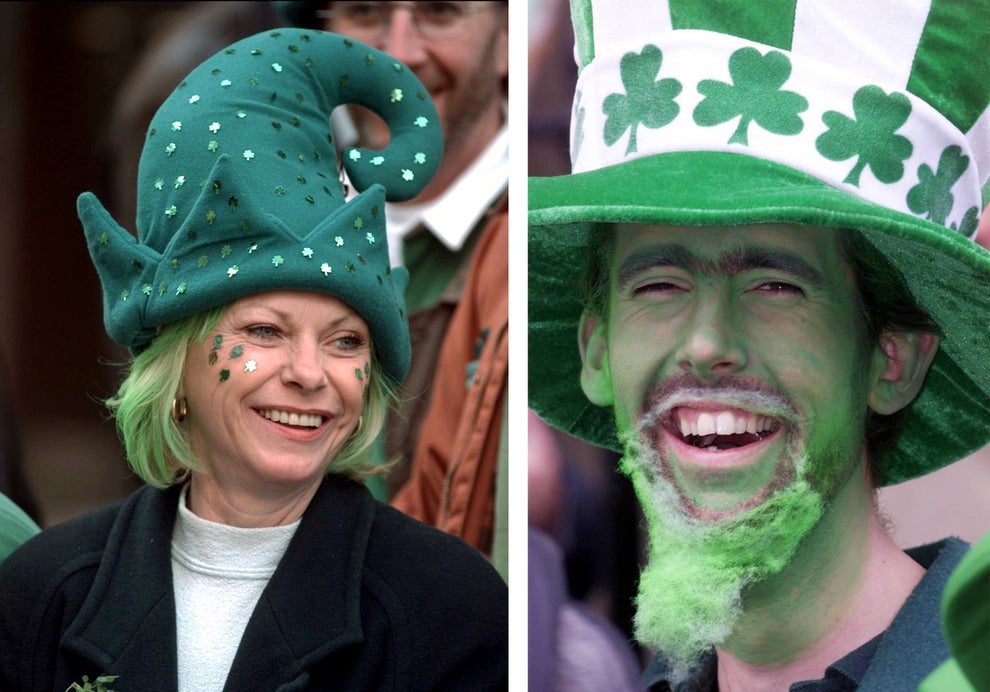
{"type": "Point", "coordinates": [692, 90]}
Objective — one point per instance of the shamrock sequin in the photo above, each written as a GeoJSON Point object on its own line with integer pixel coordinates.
{"type": "Point", "coordinates": [326, 269]}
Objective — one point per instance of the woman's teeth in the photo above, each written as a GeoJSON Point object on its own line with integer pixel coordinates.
{"type": "Point", "coordinates": [305, 420]}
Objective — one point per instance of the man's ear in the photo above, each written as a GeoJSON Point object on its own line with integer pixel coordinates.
{"type": "Point", "coordinates": [900, 364]}
{"type": "Point", "coordinates": [596, 379]}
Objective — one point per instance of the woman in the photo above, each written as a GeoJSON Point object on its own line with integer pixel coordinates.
{"type": "Point", "coordinates": [269, 335]}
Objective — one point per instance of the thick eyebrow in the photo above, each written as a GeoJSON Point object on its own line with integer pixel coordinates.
{"type": "Point", "coordinates": [730, 263]}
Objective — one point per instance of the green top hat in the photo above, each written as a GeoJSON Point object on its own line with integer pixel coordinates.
{"type": "Point", "coordinates": [239, 190]}
{"type": "Point", "coordinates": [702, 113]}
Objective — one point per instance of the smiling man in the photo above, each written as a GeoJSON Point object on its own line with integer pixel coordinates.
{"type": "Point", "coordinates": [780, 312]}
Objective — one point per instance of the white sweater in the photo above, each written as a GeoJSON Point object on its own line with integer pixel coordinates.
{"type": "Point", "coordinates": [218, 572]}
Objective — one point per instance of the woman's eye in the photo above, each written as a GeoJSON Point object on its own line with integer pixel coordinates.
{"type": "Point", "coordinates": [348, 342]}
{"type": "Point", "coordinates": [264, 331]}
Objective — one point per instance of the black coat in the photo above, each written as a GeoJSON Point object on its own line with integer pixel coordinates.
{"type": "Point", "coordinates": [364, 598]}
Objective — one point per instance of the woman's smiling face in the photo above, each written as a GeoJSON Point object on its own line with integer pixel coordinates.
{"type": "Point", "coordinates": [276, 390]}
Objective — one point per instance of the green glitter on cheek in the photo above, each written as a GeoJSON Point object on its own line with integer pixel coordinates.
{"type": "Point", "coordinates": [224, 375]}
{"type": "Point", "coordinates": [357, 374]}
{"type": "Point", "coordinates": [217, 341]}
{"type": "Point", "coordinates": [367, 369]}
{"type": "Point", "coordinates": [236, 352]}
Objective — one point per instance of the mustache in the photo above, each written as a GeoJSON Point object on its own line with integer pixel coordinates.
{"type": "Point", "coordinates": [746, 393]}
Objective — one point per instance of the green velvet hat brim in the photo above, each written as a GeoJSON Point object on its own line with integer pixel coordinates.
{"type": "Point", "coordinates": [948, 274]}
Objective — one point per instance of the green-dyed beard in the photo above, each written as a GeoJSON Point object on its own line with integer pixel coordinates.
{"type": "Point", "coordinates": [690, 592]}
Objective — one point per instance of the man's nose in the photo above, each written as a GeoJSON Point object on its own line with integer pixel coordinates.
{"type": "Point", "coordinates": [401, 38]}
{"type": "Point", "coordinates": [712, 343]}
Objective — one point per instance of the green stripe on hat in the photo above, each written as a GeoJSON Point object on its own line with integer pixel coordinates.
{"type": "Point", "coordinates": [945, 72]}
{"type": "Point", "coordinates": [770, 21]}
{"type": "Point", "coordinates": [584, 31]}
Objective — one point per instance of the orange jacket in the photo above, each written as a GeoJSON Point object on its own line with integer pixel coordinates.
{"type": "Point", "coordinates": [452, 477]}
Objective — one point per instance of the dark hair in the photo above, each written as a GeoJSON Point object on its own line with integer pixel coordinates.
{"type": "Point", "coordinates": [885, 304]}
{"type": "Point", "coordinates": [594, 281]}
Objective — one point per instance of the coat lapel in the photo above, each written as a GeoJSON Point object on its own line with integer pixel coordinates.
{"type": "Point", "coordinates": [311, 606]}
{"type": "Point", "coordinates": [126, 625]}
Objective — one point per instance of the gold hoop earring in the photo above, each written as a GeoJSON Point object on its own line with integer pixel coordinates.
{"type": "Point", "coordinates": [180, 408]}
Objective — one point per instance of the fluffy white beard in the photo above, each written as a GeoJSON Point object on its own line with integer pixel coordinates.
{"type": "Point", "coordinates": [690, 592]}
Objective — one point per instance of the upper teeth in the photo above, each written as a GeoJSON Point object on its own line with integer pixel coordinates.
{"type": "Point", "coordinates": [722, 423]}
{"type": "Point", "coordinates": [309, 420]}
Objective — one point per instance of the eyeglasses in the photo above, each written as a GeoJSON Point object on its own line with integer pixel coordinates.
{"type": "Point", "coordinates": [435, 21]}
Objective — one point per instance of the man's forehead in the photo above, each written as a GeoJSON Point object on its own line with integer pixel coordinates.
{"type": "Point", "coordinates": [818, 245]}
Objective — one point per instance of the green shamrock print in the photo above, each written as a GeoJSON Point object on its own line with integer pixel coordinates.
{"type": "Point", "coordinates": [870, 135]}
{"type": "Point", "coordinates": [932, 196]}
{"type": "Point", "coordinates": [647, 101]}
{"type": "Point", "coordinates": [755, 95]}
{"type": "Point", "coordinates": [969, 223]}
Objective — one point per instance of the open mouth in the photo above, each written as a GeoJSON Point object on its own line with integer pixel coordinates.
{"type": "Point", "coordinates": [718, 430]}
{"type": "Point", "coordinates": [292, 418]}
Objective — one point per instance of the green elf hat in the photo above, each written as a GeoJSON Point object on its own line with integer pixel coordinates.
{"type": "Point", "coordinates": [239, 190]}
{"type": "Point", "coordinates": [847, 115]}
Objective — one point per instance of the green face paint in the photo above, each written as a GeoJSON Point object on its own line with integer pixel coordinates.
{"type": "Point", "coordinates": [236, 352]}
{"type": "Point", "coordinates": [753, 324]}
{"type": "Point", "coordinates": [224, 375]}
{"type": "Point", "coordinates": [358, 374]}
{"type": "Point", "coordinates": [217, 341]}
{"type": "Point", "coordinates": [212, 358]}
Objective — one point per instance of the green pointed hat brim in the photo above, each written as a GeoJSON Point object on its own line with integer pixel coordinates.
{"type": "Point", "coordinates": [144, 290]}
{"type": "Point", "coordinates": [948, 274]}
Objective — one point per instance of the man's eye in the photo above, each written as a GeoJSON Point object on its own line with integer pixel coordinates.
{"type": "Point", "coordinates": [441, 12]}
{"type": "Point", "coordinates": [367, 13]}
{"type": "Point", "coordinates": [779, 287]}
{"type": "Point", "coordinates": [655, 287]}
